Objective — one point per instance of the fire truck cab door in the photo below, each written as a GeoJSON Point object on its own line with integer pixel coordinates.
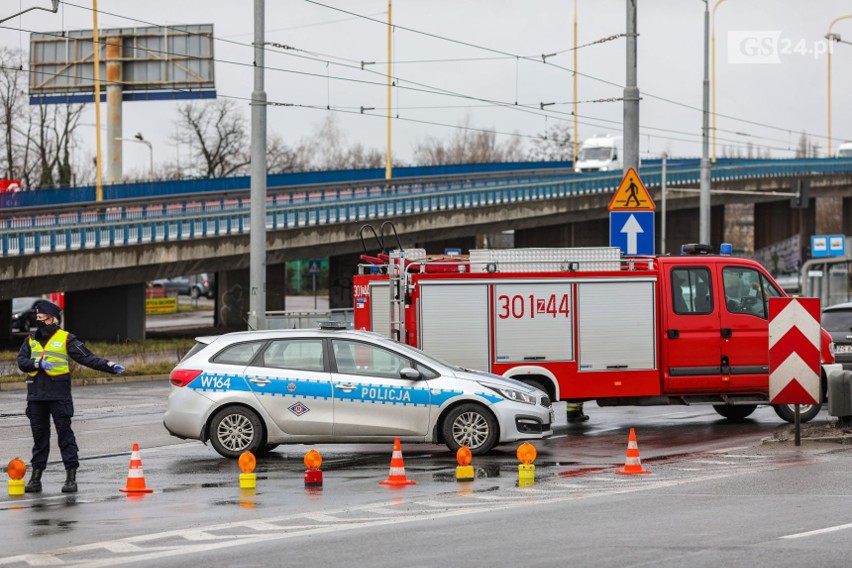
{"type": "Point", "coordinates": [692, 352]}
{"type": "Point", "coordinates": [745, 326]}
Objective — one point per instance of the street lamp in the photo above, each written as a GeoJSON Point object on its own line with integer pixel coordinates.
{"type": "Point", "coordinates": [54, 10]}
{"type": "Point", "coordinates": [139, 139]}
{"type": "Point", "coordinates": [832, 37]}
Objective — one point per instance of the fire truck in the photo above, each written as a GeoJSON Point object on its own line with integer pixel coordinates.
{"type": "Point", "coordinates": [586, 324]}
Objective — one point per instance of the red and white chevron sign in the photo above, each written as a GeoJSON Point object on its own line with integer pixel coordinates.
{"type": "Point", "coordinates": [794, 358]}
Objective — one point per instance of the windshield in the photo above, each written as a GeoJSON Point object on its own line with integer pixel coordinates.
{"type": "Point", "coordinates": [844, 153]}
{"type": "Point", "coordinates": [837, 320]}
{"type": "Point", "coordinates": [600, 153]}
{"type": "Point", "coordinates": [22, 304]}
{"type": "Point", "coordinates": [424, 357]}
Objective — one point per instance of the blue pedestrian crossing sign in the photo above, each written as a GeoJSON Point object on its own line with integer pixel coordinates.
{"type": "Point", "coordinates": [632, 232]}
{"type": "Point", "coordinates": [313, 267]}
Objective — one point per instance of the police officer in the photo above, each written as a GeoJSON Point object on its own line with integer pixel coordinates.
{"type": "Point", "coordinates": [44, 357]}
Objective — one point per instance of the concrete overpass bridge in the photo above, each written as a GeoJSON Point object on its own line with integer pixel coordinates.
{"type": "Point", "coordinates": [101, 254]}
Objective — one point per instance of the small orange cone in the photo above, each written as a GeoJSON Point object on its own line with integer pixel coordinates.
{"type": "Point", "coordinates": [396, 476]}
{"type": "Point", "coordinates": [135, 478]}
{"type": "Point", "coordinates": [632, 465]}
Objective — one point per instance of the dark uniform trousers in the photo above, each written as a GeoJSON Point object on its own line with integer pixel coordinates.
{"type": "Point", "coordinates": [39, 413]}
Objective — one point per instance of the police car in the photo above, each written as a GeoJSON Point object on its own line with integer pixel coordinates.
{"type": "Point", "coordinates": [255, 390]}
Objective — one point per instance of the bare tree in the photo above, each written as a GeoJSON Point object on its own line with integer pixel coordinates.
{"type": "Point", "coordinates": [12, 106]}
{"type": "Point", "coordinates": [468, 146]}
{"type": "Point", "coordinates": [553, 145]}
{"type": "Point", "coordinates": [37, 142]}
{"type": "Point", "coordinates": [53, 138]}
{"type": "Point", "coordinates": [220, 131]}
{"type": "Point", "coordinates": [327, 150]}
{"type": "Point", "coordinates": [281, 158]}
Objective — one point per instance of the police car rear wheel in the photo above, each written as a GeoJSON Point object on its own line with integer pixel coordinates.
{"type": "Point", "coordinates": [470, 425]}
{"type": "Point", "coordinates": [235, 430]}
{"type": "Point", "coordinates": [807, 412]}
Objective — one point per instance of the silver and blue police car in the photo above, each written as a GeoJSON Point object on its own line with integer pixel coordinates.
{"type": "Point", "coordinates": [255, 390]}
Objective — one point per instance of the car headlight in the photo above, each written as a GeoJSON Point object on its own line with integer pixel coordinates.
{"type": "Point", "coordinates": [511, 394]}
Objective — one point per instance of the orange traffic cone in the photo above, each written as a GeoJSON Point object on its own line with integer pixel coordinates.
{"type": "Point", "coordinates": [135, 479]}
{"type": "Point", "coordinates": [632, 464]}
{"type": "Point", "coordinates": [396, 476]}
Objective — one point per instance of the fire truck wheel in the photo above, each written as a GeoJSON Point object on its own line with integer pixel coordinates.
{"type": "Point", "coordinates": [470, 425]}
{"type": "Point", "coordinates": [807, 412]}
{"type": "Point", "coordinates": [732, 412]}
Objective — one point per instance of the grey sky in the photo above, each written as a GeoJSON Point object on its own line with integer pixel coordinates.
{"type": "Point", "coordinates": [789, 92]}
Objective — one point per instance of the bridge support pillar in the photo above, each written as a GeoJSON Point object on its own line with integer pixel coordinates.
{"type": "Point", "coordinates": [776, 221]}
{"type": "Point", "coordinates": [341, 269]}
{"type": "Point", "coordinates": [5, 321]}
{"type": "Point", "coordinates": [232, 301]}
{"type": "Point", "coordinates": [682, 228]}
{"type": "Point", "coordinates": [116, 313]}
{"type": "Point", "coordinates": [847, 216]}
{"type": "Point", "coordinates": [583, 234]}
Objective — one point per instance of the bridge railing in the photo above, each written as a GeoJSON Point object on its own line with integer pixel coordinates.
{"type": "Point", "coordinates": [197, 219]}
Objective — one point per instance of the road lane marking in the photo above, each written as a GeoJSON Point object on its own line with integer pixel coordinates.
{"type": "Point", "coordinates": [159, 545]}
{"type": "Point", "coordinates": [817, 531]}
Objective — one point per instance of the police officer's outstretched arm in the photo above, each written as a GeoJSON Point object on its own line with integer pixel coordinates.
{"type": "Point", "coordinates": [81, 354]}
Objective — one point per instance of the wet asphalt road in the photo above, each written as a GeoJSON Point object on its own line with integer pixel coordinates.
{"type": "Point", "coordinates": [198, 511]}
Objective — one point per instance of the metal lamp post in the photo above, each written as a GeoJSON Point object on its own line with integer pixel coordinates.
{"type": "Point", "coordinates": [137, 138]}
{"type": "Point", "coordinates": [832, 37]}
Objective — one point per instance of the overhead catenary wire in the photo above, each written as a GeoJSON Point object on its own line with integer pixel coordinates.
{"type": "Point", "coordinates": [508, 54]}
{"type": "Point", "coordinates": [503, 104]}
{"type": "Point", "coordinates": [328, 77]}
{"type": "Point", "coordinates": [370, 17]}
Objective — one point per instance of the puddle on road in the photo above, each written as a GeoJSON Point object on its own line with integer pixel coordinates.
{"type": "Point", "coordinates": [47, 527]}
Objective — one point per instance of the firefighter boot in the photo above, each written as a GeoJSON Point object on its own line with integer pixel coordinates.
{"type": "Point", "coordinates": [34, 484]}
{"type": "Point", "coordinates": [575, 413]}
{"type": "Point", "coordinates": [70, 485]}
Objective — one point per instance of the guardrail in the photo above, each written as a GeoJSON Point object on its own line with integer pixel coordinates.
{"type": "Point", "coordinates": [197, 217]}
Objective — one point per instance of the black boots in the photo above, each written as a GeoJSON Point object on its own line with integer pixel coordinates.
{"type": "Point", "coordinates": [577, 416]}
{"type": "Point", "coordinates": [70, 481]}
{"type": "Point", "coordinates": [34, 484]}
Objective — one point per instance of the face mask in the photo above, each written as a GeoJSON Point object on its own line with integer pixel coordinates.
{"type": "Point", "coordinates": [41, 324]}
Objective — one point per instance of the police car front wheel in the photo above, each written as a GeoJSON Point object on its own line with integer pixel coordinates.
{"type": "Point", "coordinates": [234, 430]}
{"type": "Point", "coordinates": [471, 425]}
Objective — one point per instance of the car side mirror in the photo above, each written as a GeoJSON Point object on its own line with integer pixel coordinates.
{"type": "Point", "coordinates": [410, 374]}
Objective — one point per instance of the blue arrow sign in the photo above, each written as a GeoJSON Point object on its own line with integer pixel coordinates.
{"type": "Point", "coordinates": [632, 232]}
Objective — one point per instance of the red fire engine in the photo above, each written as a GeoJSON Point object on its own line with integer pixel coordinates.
{"type": "Point", "coordinates": [586, 324]}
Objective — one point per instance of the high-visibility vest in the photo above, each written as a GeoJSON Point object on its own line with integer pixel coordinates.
{"type": "Point", "coordinates": [54, 351]}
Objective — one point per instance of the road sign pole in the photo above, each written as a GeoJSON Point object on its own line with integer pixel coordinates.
{"type": "Point", "coordinates": [798, 423]}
